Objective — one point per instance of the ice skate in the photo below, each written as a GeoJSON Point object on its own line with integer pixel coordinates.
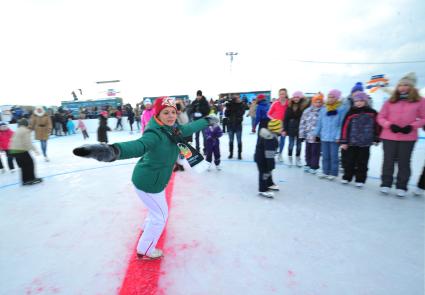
{"type": "Point", "coordinates": [274, 187]}
{"type": "Point", "coordinates": [312, 171]}
{"type": "Point", "coordinates": [279, 157]}
{"type": "Point", "coordinates": [344, 181]}
{"type": "Point", "coordinates": [330, 177]}
{"type": "Point", "coordinates": [306, 169]}
{"type": "Point", "coordinates": [2, 170]}
{"type": "Point", "coordinates": [298, 162]}
{"type": "Point", "coordinates": [401, 193]}
{"type": "Point", "coordinates": [385, 190]}
{"type": "Point", "coordinates": [359, 184]}
{"type": "Point", "coordinates": [290, 161]}
{"type": "Point", "coordinates": [419, 192]}
{"type": "Point", "coordinates": [155, 254]}
{"type": "Point", "coordinates": [218, 167]}
{"type": "Point", "coordinates": [266, 194]}
{"type": "Point", "coordinates": [34, 181]}
{"type": "Point", "coordinates": [209, 167]}
{"type": "Point", "coordinates": [46, 159]}
{"type": "Point", "coordinates": [322, 175]}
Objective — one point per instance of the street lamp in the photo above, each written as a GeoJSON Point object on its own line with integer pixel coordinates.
{"type": "Point", "coordinates": [231, 54]}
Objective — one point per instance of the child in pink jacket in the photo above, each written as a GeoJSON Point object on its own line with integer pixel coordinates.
{"type": "Point", "coordinates": [5, 137]}
{"type": "Point", "coordinates": [147, 113]}
{"type": "Point", "coordinates": [83, 128]}
{"type": "Point", "coordinates": [400, 117]}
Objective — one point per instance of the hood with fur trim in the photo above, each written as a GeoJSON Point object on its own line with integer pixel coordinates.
{"type": "Point", "coordinates": [266, 133]}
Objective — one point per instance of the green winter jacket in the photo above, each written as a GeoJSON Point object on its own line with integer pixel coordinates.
{"type": "Point", "coordinates": [158, 154]}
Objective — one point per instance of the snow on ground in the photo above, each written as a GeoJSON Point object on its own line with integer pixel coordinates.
{"type": "Point", "coordinates": [74, 233]}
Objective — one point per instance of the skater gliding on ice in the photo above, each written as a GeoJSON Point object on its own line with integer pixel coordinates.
{"type": "Point", "coordinates": [158, 151]}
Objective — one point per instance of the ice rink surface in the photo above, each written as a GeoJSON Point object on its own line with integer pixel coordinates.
{"type": "Point", "coordinates": [75, 232]}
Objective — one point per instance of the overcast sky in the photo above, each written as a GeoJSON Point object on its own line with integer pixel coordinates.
{"type": "Point", "coordinates": [51, 47]}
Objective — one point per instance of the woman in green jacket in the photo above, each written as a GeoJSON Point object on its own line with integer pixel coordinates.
{"type": "Point", "coordinates": [158, 152]}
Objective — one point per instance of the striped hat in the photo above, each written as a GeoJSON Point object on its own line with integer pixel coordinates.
{"type": "Point", "coordinates": [275, 126]}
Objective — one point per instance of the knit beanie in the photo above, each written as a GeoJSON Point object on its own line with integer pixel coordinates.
{"type": "Point", "coordinates": [335, 93]}
{"type": "Point", "coordinates": [409, 79]}
{"type": "Point", "coordinates": [317, 97]}
{"type": "Point", "coordinates": [298, 94]}
{"type": "Point", "coordinates": [261, 97]}
{"type": "Point", "coordinates": [357, 87]}
{"type": "Point", "coordinates": [359, 96]}
{"type": "Point", "coordinates": [275, 126]}
{"type": "Point", "coordinates": [199, 93]}
{"type": "Point", "coordinates": [147, 101]}
{"type": "Point", "coordinates": [163, 102]}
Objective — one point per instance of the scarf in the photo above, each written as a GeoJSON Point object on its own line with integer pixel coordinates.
{"type": "Point", "coordinates": [332, 108]}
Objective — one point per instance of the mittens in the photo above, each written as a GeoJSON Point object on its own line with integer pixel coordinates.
{"type": "Point", "coordinates": [100, 152]}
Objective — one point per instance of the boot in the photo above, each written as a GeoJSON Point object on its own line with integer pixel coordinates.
{"type": "Point", "coordinates": [239, 151]}
{"type": "Point", "coordinates": [230, 150]}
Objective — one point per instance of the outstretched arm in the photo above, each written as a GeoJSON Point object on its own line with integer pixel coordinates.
{"type": "Point", "coordinates": [120, 150]}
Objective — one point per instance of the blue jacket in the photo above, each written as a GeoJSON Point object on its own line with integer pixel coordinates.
{"type": "Point", "coordinates": [328, 126]}
{"type": "Point", "coordinates": [263, 107]}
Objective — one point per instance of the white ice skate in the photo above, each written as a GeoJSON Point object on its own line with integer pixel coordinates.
{"type": "Point", "coordinates": [266, 194]}
{"type": "Point", "coordinates": [155, 254]}
{"type": "Point", "coordinates": [290, 161]}
{"type": "Point", "coordinates": [385, 190]}
{"type": "Point", "coordinates": [218, 167]}
{"type": "Point", "coordinates": [298, 162]}
{"type": "Point", "coordinates": [46, 159]}
{"type": "Point", "coordinates": [344, 181]}
{"type": "Point", "coordinates": [359, 184]}
{"type": "Point", "coordinates": [322, 175]}
{"type": "Point", "coordinates": [312, 171]}
{"type": "Point", "coordinates": [419, 192]}
{"type": "Point", "coordinates": [279, 157]}
{"type": "Point", "coordinates": [401, 193]}
{"type": "Point", "coordinates": [210, 165]}
{"type": "Point", "coordinates": [274, 187]}
{"type": "Point", "coordinates": [306, 169]}
{"type": "Point", "coordinates": [330, 177]}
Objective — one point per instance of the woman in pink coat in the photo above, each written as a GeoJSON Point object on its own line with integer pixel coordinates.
{"type": "Point", "coordinates": [147, 113]}
{"type": "Point", "coordinates": [400, 117]}
{"type": "Point", "coordinates": [277, 111]}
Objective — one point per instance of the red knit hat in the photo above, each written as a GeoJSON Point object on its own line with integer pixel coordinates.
{"type": "Point", "coordinates": [163, 102]}
{"type": "Point", "coordinates": [260, 97]}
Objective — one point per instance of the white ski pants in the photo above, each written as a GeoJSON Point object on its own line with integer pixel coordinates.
{"type": "Point", "coordinates": [155, 220]}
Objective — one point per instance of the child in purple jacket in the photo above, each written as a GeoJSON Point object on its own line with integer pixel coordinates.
{"type": "Point", "coordinates": [212, 134]}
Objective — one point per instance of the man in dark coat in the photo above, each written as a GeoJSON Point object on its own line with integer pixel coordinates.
{"type": "Point", "coordinates": [234, 112]}
{"type": "Point", "coordinates": [199, 109]}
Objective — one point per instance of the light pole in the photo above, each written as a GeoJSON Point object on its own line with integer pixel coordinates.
{"type": "Point", "coordinates": [231, 54]}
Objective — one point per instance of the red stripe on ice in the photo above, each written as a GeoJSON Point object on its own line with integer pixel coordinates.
{"type": "Point", "coordinates": [142, 276]}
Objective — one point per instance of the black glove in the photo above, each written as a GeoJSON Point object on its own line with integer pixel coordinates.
{"type": "Point", "coordinates": [406, 129]}
{"type": "Point", "coordinates": [212, 120]}
{"type": "Point", "coordinates": [317, 139]}
{"type": "Point", "coordinates": [395, 128]}
{"type": "Point", "coordinates": [302, 139]}
{"type": "Point", "coordinates": [101, 152]}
